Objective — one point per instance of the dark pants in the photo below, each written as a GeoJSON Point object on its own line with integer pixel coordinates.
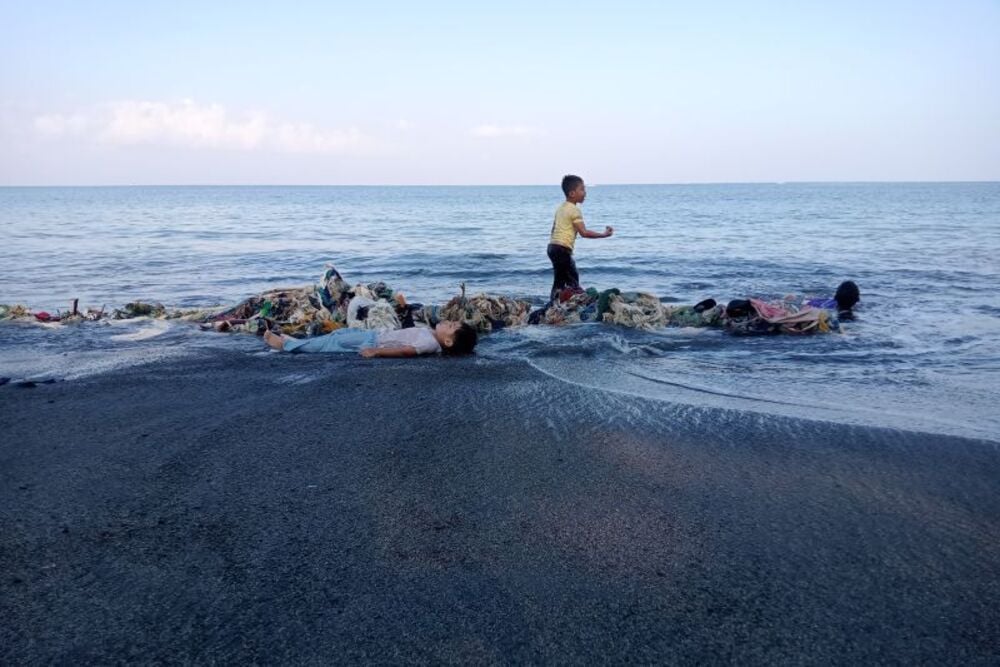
{"type": "Point", "coordinates": [563, 269]}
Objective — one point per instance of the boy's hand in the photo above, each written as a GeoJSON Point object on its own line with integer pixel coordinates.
{"type": "Point", "coordinates": [369, 352]}
{"type": "Point", "coordinates": [608, 231]}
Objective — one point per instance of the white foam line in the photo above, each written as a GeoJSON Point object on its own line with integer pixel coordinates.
{"type": "Point", "coordinates": [980, 434]}
{"type": "Point", "coordinates": [156, 328]}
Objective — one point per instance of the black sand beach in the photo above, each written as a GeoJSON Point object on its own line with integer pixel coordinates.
{"type": "Point", "coordinates": [235, 509]}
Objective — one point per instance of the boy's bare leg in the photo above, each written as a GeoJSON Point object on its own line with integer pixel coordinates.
{"type": "Point", "coordinates": [274, 340]}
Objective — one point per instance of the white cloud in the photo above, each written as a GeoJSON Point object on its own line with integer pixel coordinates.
{"type": "Point", "coordinates": [189, 124]}
{"type": "Point", "coordinates": [56, 125]}
{"type": "Point", "coordinates": [489, 131]}
{"type": "Point", "coordinates": [304, 138]}
{"type": "Point", "coordinates": [403, 125]}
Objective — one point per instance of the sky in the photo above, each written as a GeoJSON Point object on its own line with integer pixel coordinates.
{"type": "Point", "coordinates": [175, 93]}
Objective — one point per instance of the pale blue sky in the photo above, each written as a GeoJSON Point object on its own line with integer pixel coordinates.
{"type": "Point", "coordinates": [393, 92]}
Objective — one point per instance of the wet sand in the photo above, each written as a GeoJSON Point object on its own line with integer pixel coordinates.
{"type": "Point", "coordinates": [244, 508]}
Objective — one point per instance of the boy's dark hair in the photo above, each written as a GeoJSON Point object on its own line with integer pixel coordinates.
{"type": "Point", "coordinates": [847, 295]}
{"type": "Point", "coordinates": [570, 183]}
{"type": "Point", "coordinates": [464, 342]}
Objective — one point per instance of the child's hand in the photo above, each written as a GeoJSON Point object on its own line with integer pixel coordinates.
{"type": "Point", "coordinates": [369, 352]}
{"type": "Point", "coordinates": [608, 231]}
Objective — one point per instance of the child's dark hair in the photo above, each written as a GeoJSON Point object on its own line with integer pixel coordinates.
{"type": "Point", "coordinates": [464, 342]}
{"type": "Point", "coordinates": [570, 183]}
{"type": "Point", "coordinates": [847, 295]}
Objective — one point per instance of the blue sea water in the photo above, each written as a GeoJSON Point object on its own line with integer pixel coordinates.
{"type": "Point", "coordinates": [924, 353]}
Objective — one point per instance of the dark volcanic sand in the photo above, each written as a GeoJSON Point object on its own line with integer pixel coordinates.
{"type": "Point", "coordinates": [272, 509]}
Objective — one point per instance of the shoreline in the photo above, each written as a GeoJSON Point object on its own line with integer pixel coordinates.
{"type": "Point", "coordinates": [229, 507]}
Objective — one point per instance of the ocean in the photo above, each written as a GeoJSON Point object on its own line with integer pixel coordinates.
{"type": "Point", "coordinates": [922, 355]}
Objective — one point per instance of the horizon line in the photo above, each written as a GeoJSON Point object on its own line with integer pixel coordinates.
{"type": "Point", "coordinates": [492, 185]}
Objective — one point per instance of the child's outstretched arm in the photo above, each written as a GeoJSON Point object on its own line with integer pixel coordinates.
{"type": "Point", "coordinates": [588, 234]}
{"type": "Point", "coordinates": [404, 351]}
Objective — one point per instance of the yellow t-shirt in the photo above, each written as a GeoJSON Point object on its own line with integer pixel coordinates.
{"type": "Point", "coordinates": [563, 231]}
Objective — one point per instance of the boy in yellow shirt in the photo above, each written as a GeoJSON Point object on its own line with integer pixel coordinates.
{"type": "Point", "coordinates": [567, 224]}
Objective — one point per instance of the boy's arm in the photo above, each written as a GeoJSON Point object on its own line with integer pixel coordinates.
{"type": "Point", "coordinates": [403, 351]}
{"type": "Point", "coordinates": [582, 230]}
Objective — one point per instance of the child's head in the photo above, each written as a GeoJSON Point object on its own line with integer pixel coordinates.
{"type": "Point", "coordinates": [847, 295]}
{"type": "Point", "coordinates": [573, 188]}
{"type": "Point", "coordinates": [456, 337]}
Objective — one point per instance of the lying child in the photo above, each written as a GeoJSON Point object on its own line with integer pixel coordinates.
{"type": "Point", "coordinates": [446, 338]}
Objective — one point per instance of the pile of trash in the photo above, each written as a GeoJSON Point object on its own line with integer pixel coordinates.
{"type": "Point", "coordinates": [486, 312]}
{"type": "Point", "coordinates": [641, 310]}
{"type": "Point", "coordinates": [333, 303]}
{"type": "Point", "coordinates": [790, 316]}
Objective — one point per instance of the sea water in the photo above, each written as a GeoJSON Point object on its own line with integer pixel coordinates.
{"type": "Point", "coordinates": [923, 353]}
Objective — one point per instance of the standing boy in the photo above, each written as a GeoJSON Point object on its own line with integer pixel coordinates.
{"type": "Point", "coordinates": [567, 224]}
